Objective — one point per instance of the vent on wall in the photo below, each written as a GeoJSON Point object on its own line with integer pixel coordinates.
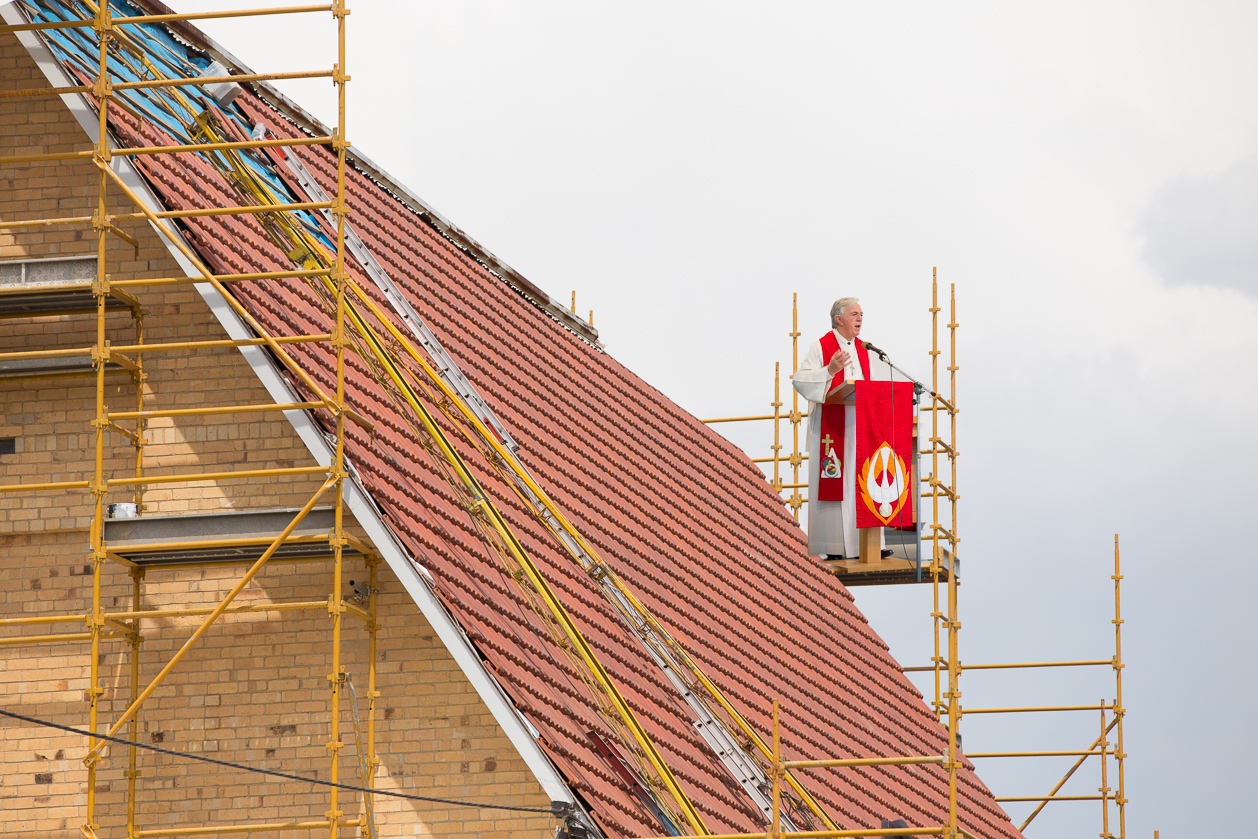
{"type": "Point", "coordinates": [8, 445]}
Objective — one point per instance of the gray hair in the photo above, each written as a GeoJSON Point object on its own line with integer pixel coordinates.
{"type": "Point", "coordinates": [840, 306]}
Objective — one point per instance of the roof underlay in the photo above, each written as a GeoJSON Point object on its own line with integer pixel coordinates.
{"type": "Point", "coordinates": [682, 515]}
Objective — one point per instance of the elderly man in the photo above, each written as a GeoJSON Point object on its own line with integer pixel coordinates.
{"type": "Point", "coordinates": [836, 358]}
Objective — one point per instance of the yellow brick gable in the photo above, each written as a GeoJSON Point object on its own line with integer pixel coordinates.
{"type": "Point", "coordinates": [255, 691]}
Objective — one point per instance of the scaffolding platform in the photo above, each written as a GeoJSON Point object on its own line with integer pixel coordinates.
{"type": "Point", "coordinates": [226, 538]}
{"type": "Point", "coordinates": [21, 369]}
{"type": "Point", "coordinates": [899, 568]}
{"type": "Point", "coordinates": [23, 301]}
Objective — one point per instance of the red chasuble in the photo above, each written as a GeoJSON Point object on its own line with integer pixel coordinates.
{"type": "Point", "coordinates": [884, 454]}
{"type": "Point", "coordinates": [833, 424]}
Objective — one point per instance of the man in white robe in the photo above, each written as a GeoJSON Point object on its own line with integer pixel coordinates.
{"type": "Point", "coordinates": [832, 524]}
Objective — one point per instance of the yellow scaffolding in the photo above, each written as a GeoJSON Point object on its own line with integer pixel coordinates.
{"type": "Point", "coordinates": [1100, 747]}
{"type": "Point", "coordinates": [946, 666]}
{"type": "Point", "coordinates": [102, 625]}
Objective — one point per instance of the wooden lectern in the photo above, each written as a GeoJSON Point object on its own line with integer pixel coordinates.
{"type": "Point", "coordinates": [844, 394]}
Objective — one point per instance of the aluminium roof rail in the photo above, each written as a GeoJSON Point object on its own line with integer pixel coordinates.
{"type": "Point", "coordinates": [446, 367]}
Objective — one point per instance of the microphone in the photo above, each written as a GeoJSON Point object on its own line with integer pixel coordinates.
{"type": "Point", "coordinates": [880, 353]}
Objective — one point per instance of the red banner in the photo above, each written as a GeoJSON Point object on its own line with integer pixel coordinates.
{"type": "Point", "coordinates": [833, 426]}
{"type": "Point", "coordinates": [885, 481]}
{"type": "Point", "coordinates": [830, 481]}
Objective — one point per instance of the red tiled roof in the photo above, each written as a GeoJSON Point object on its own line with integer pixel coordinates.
{"type": "Point", "coordinates": [683, 516]}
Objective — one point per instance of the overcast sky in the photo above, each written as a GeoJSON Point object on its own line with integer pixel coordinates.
{"type": "Point", "coordinates": [1086, 173]}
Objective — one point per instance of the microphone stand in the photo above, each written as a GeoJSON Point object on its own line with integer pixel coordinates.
{"type": "Point", "coordinates": [918, 387]}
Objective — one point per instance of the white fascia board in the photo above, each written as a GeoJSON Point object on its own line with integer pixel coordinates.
{"type": "Point", "coordinates": [365, 512]}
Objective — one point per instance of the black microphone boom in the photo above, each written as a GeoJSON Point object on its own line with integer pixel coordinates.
{"type": "Point", "coordinates": [881, 354]}
{"type": "Point", "coordinates": [918, 387]}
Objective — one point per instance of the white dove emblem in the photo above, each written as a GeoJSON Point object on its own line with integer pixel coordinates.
{"type": "Point", "coordinates": [884, 480]}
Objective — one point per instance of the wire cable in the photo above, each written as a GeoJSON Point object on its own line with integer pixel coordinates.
{"type": "Point", "coordinates": [553, 811]}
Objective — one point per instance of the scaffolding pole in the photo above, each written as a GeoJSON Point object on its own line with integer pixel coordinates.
{"type": "Point", "coordinates": [99, 487]}
{"type": "Point", "coordinates": [1119, 711]}
{"type": "Point", "coordinates": [777, 426]}
{"type": "Point", "coordinates": [1104, 788]}
{"type": "Point", "coordinates": [796, 501]}
{"type": "Point", "coordinates": [954, 623]}
{"type": "Point", "coordinates": [341, 276]}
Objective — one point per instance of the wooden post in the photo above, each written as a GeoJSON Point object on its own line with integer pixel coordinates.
{"type": "Point", "coordinates": [870, 545]}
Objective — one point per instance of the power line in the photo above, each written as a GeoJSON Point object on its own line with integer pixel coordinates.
{"type": "Point", "coordinates": [556, 809]}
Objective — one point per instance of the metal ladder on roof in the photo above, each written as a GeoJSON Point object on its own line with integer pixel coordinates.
{"type": "Point", "coordinates": [657, 642]}
{"type": "Point", "coordinates": [446, 368]}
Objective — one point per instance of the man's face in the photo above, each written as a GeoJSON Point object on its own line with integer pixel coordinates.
{"type": "Point", "coordinates": [849, 323]}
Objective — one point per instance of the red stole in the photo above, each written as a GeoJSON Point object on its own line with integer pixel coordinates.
{"type": "Point", "coordinates": [834, 424]}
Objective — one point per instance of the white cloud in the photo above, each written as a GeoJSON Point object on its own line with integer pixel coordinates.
{"type": "Point", "coordinates": [1203, 230]}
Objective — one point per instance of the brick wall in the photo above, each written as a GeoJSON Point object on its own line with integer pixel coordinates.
{"type": "Point", "coordinates": [255, 690]}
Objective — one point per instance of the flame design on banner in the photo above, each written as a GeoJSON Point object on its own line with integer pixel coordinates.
{"type": "Point", "coordinates": [883, 483]}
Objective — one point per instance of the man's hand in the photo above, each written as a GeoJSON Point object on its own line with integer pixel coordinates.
{"type": "Point", "coordinates": [841, 359]}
